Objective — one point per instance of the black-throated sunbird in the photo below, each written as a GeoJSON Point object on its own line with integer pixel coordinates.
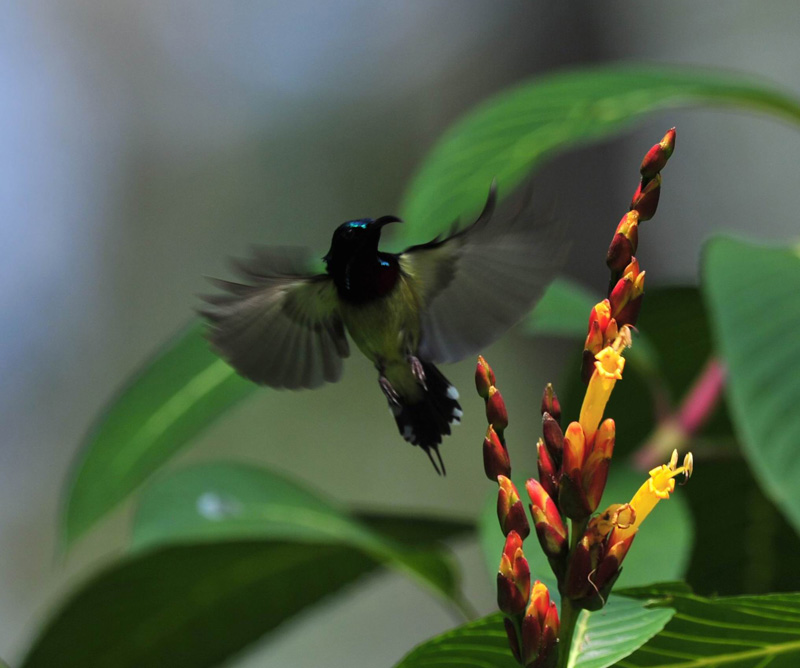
{"type": "Point", "coordinates": [435, 302]}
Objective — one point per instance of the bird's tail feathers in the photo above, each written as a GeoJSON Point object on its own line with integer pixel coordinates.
{"type": "Point", "coordinates": [425, 422]}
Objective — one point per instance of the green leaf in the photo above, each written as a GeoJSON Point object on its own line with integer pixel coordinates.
{"type": "Point", "coordinates": [223, 555]}
{"type": "Point", "coordinates": [225, 501]}
{"type": "Point", "coordinates": [563, 310]}
{"type": "Point", "coordinates": [506, 136]}
{"type": "Point", "coordinates": [602, 638]}
{"type": "Point", "coordinates": [660, 552]}
{"type": "Point", "coordinates": [745, 631]}
{"type": "Point", "coordinates": [753, 295]}
{"type": "Point", "coordinates": [177, 395]}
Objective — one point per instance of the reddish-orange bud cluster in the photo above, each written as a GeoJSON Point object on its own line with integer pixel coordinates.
{"type": "Point", "coordinates": [539, 631]}
{"type": "Point", "coordinates": [532, 623]}
{"type": "Point", "coordinates": [603, 331]}
{"type": "Point", "coordinates": [513, 577]}
{"type": "Point", "coordinates": [595, 562]}
{"type": "Point", "coordinates": [495, 454]}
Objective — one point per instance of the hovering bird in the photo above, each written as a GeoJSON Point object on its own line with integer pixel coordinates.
{"type": "Point", "coordinates": [435, 302]}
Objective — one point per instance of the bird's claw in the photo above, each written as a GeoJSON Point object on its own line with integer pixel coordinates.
{"type": "Point", "coordinates": [418, 371]}
{"type": "Point", "coordinates": [391, 394]}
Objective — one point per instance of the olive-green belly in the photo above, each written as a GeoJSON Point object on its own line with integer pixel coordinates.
{"type": "Point", "coordinates": [387, 331]}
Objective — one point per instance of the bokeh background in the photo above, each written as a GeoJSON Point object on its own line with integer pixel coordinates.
{"type": "Point", "coordinates": [144, 142]}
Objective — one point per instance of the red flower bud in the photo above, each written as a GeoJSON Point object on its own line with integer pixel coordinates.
{"type": "Point", "coordinates": [513, 577]}
{"type": "Point", "coordinates": [550, 403]}
{"type": "Point", "coordinates": [496, 461]}
{"type": "Point", "coordinates": [601, 314]}
{"type": "Point", "coordinates": [571, 496]}
{"type": "Point", "coordinates": [645, 199]}
{"type": "Point", "coordinates": [510, 512]}
{"type": "Point", "coordinates": [548, 473]}
{"type": "Point", "coordinates": [609, 566]}
{"type": "Point", "coordinates": [595, 470]}
{"type": "Point", "coordinates": [547, 520]}
{"type": "Point", "coordinates": [574, 448]}
{"type": "Point", "coordinates": [657, 157]}
{"type": "Point", "coordinates": [533, 624]}
{"type": "Point", "coordinates": [576, 584]}
{"type": "Point", "coordinates": [496, 413]}
{"type": "Point", "coordinates": [553, 437]}
{"type": "Point", "coordinates": [625, 242]}
{"type": "Point", "coordinates": [548, 653]}
{"type": "Point", "coordinates": [484, 377]}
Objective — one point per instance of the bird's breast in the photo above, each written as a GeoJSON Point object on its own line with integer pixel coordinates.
{"type": "Point", "coordinates": [387, 327]}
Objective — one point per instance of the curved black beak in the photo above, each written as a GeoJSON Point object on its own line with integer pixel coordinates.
{"type": "Point", "coordinates": [385, 220]}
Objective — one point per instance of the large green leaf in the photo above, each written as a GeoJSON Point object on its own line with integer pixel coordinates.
{"type": "Point", "coordinates": [753, 294]}
{"type": "Point", "coordinates": [223, 555]}
{"type": "Point", "coordinates": [226, 501]}
{"type": "Point", "coordinates": [506, 136]}
{"type": "Point", "coordinates": [745, 631]}
{"type": "Point", "coordinates": [176, 395]}
{"type": "Point", "coordinates": [601, 639]}
{"type": "Point", "coordinates": [660, 552]}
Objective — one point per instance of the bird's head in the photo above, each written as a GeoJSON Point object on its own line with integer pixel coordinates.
{"type": "Point", "coordinates": [355, 237]}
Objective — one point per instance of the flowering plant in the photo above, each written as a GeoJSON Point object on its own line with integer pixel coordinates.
{"type": "Point", "coordinates": [586, 557]}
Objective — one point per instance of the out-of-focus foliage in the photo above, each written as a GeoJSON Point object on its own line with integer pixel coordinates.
{"type": "Point", "coordinates": [223, 554]}
{"type": "Point", "coordinates": [173, 398]}
{"type": "Point", "coordinates": [753, 296]}
{"type": "Point", "coordinates": [508, 135]}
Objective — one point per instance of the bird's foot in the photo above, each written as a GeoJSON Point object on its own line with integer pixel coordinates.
{"type": "Point", "coordinates": [390, 393]}
{"type": "Point", "coordinates": [418, 371]}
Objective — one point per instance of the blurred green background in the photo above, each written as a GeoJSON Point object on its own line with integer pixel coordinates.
{"type": "Point", "coordinates": [145, 142]}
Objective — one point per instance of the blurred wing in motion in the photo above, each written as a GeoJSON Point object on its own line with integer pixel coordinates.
{"type": "Point", "coordinates": [477, 283]}
{"type": "Point", "coordinates": [282, 328]}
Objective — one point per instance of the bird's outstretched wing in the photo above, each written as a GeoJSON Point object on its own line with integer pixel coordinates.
{"type": "Point", "coordinates": [283, 328]}
{"type": "Point", "coordinates": [478, 282]}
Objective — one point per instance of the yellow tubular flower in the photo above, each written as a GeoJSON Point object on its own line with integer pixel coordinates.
{"type": "Point", "coordinates": [659, 485]}
{"type": "Point", "coordinates": [607, 371]}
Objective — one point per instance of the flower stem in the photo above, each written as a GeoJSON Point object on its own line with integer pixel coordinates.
{"type": "Point", "coordinates": [675, 431]}
{"type": "Point", "coordinates": [569, 614]}
{"type": "Point", "coordinates": [569, 619]}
